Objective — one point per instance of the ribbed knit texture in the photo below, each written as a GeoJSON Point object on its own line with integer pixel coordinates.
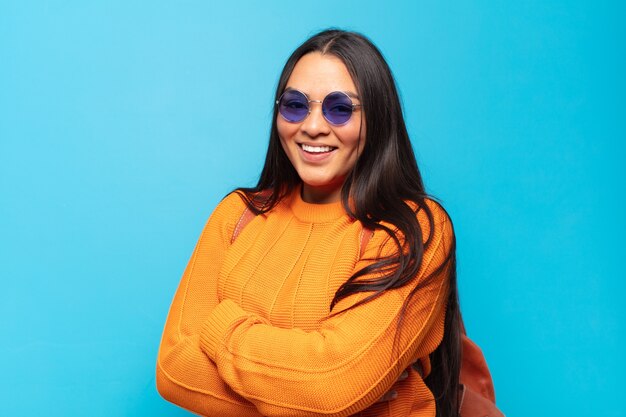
{"type": "Point", "coordinates": [249, 332]}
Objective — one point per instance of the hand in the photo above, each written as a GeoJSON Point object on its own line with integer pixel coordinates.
{"type": "Point", "coordinates": [392, 394]}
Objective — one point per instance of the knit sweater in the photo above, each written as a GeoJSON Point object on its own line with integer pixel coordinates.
{"type": "Point", "coordinates": [249, 331]}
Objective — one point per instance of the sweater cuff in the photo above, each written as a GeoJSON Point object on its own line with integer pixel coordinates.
{"type": "Point", "coordinates": [214, 329]}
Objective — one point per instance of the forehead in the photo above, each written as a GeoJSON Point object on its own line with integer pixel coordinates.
{"type": "Point", "coordinates": [316, 75]}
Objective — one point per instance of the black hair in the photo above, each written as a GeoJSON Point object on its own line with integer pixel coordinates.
{"type": "Point", "coordinates": [380, 185]}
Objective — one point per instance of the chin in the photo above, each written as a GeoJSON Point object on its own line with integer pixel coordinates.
{"type": "Point", "coordinates": [321, 182]}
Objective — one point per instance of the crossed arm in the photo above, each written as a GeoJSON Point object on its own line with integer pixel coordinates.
{"type": "Point", "coordinates": [217, 359]}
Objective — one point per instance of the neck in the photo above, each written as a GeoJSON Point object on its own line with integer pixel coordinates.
{"type": "Point", "coordinates": [321, 195]}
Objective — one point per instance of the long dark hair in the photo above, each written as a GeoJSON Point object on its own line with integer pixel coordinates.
{"type": "Point", "coordinates": [383, 180]}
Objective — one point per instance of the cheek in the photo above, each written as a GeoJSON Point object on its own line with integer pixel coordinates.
{"type": "Point", "coordinates": [286, 130]}
{"type": "Point", "coordinates": [353, 137]}
{"type": "Point", "coordinates": [285, 135]}
{"type": "Point", "coordinates": [354, 131]}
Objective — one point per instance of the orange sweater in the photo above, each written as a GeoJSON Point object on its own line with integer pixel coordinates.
{"type": "Point", "coordinates": [249, 332]}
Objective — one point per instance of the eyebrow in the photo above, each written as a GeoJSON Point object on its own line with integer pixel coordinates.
{"type": "Point", "coordinates": [349, 93]}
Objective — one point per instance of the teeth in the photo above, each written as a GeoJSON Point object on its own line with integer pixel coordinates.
{"type": "Point", "coordinates": [316, 149]}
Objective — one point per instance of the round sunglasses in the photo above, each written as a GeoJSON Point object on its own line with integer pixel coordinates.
{"type": "Point", "coordinates": [337, 107]}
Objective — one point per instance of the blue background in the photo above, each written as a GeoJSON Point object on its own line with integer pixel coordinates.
{"type": "Point", "coordinates": [116, 142]}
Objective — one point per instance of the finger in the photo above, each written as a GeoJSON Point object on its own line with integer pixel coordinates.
{"type": "Point", "coordinates": [391, 395]}
{"type": "Point", "coordinates": [417, 366]}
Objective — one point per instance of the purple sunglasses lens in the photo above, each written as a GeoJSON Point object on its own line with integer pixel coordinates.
{"type": "Point", "coordinates": [293, 106]}
{"type": "Point", "coordinates": [337, 108]}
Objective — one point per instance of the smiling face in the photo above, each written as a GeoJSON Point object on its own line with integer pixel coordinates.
{"type": "Point", "coordinates": [323, 154]}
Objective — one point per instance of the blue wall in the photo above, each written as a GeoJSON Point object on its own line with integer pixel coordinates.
{"type": "Point", "coordinates": [116, 143]}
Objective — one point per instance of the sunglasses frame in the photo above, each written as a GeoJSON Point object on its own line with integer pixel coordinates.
{"type": "Point", "coordinates": [321, 102]}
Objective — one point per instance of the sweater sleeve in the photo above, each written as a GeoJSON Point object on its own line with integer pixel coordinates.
{"type": "Point", "coordinates": [185, 375]}
{"type": "Point", "coordinates": [351, 360]}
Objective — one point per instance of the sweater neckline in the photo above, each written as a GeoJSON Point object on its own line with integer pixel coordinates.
{"type": "Point", "coordinates": [315, 213]}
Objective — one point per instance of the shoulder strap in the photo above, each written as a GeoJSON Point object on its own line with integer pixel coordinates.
{"type": "Point", "coordinates": [366, 235]}
{"type": "Point", "coordinates": [246, 217]}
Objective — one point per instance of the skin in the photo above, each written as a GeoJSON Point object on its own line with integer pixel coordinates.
{"type": "Point", "coordinates": [323, 175]}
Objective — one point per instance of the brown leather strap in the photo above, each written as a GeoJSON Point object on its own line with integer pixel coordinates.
{"type": "Point", "coordinates": [246, 217]}
{"type": "Point", "coordinates": [366, 235]}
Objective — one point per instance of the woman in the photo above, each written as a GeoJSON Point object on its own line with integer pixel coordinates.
{"type": "Point", "coordinates": [289, 315]}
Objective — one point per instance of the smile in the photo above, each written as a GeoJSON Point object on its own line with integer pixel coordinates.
{"type": "Point", "coordinates": [316, 149]}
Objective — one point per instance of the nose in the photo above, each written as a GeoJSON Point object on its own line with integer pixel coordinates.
{"type": "Point", "coordinates": [315, 124]}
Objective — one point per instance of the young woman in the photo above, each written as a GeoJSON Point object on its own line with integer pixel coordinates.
{"type": "Point", "coordinates": [339, 296]}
